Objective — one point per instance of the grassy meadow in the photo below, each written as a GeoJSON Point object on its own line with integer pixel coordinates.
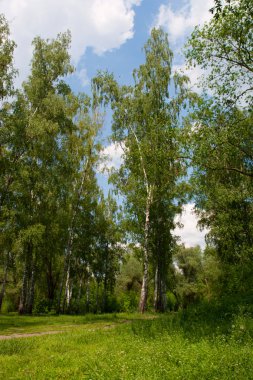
{"type": "Point", "coordinates": [182, 345]}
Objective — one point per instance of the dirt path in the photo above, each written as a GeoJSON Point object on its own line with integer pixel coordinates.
{"type": "Point", "coordinates": [28, 335]}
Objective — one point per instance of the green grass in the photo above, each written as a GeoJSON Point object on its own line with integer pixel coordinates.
{"type": "Point", "coordinates": [10, 324]}
{"type": "Point", "coordinates": [175, 346]}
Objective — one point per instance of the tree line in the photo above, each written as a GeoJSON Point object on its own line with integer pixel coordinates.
{"type": "Point", "coordinates": [64, 246]}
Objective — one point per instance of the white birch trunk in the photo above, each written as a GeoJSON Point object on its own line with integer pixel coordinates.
{"type": "Point", "coordinates": [68, 289]}
{"type": "Point", "coordinates": [144, 287]}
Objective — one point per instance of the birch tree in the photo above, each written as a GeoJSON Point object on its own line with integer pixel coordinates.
{"type": "Point", "coordinates": [146, 124]}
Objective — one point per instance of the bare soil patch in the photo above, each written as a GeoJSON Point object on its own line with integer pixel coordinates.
{"type": "Point", "coordinates": [28, 335]}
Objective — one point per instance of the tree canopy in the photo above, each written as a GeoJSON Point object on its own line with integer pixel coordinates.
{"type": "Point", "coordinates": [65, 245]}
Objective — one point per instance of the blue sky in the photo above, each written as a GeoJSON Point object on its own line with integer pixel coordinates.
{"type": "Point", "coordinates": [107, 34]}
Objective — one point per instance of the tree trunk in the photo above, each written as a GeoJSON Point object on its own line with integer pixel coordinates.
{"type": "Point", "coordinates": [31, 290]}
{"type": "Point", "coordinates": [51, 282]}
{"type": "Point", "coordinates": [71, 236]}
{"type": "Point", "coordinates": [79, 293]}
{"type": "Point", "coordinates": [97, 297]}
{"type": "Point", "coordinates": [68, 290]}
{"type": "Point", "coordinates": [23, 296]}
{"type": "Point", "coordinates": [156, 287]}
{"type": "Point", "coordinates": [161, 272]}
{"type": "Point", "coordinates": [65, 272]}
{"type": "Point", "coordinates": [2, 293]}
{"type": "Point", "coordinates": [105, 295]}
{"type": "Point", "coordinates": [105, 281]}
{"type": "Point", "coordinates": [88, 290]}
{"type": "Point", "coordinates": [144, 287]}
{"type": "Point", "coordinates": [160, 293]}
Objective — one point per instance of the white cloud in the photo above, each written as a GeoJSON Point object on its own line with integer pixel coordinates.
{"type": "Point", "coordinates": [190, 235]}
{"type": "Point", "coordinates": [100, 24]}
{"type": "Point", "coordinates": [83, 77]}
{"type": "Point", "coordinates": [195, 75]}
{"type": "Point", "coordinates": [179, 23]}
{"type": "Point", "coordinates": [111, 157]}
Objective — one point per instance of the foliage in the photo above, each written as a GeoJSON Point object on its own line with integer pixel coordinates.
{"type": "Point", "coordinates": [130, 275]}
{"type": "Point", "coordinates": [56, 228]}
{"type": "Point", "coordinates": [128, 283]}
{"type": "Point", "coordinates": [220, 132]}
{"type": "Point", "coordinates": [7, 71]}
{"type": "Point", "coordinates": [197, 274]}
{"type": "Point", "coordinates": [223, 47]}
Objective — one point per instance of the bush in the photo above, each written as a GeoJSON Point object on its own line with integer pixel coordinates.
{"type": "Point", "coordinates": [8, 306]}
{"type": "Point", "coordinates": [128, 301]}
{"type": "Point", "coordinates": [42, 306]}
{"type": "Point", "coordinates": [112, 305]}
{"type": "Point", "coordinates": [171, 301]}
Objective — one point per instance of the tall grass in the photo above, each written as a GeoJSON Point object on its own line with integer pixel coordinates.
{"type": "Point", "coordinates": [205, 342]}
